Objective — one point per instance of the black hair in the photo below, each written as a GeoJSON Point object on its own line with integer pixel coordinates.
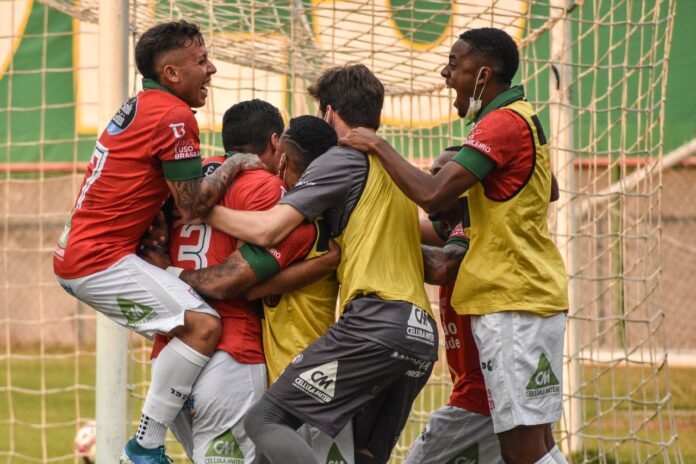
{"type": "Point", "coordinates": [247, 126]}
{"type": "Point", "coordinates": [456, 148]}
{"type": "Point", "coordinates": [313, 136]}
{"type": "Point", "coordinates": [353, 91]}
{"type": "Point", "coordinates": [496, 45]}
{"type": "Point", "coordinates": [160, 39]}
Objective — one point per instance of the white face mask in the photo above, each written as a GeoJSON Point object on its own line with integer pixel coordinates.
{"type": "Point", "coordinates": [475, 103]}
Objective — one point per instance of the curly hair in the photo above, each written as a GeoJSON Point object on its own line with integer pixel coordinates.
{"type": "Point", "coordinates": [353, 91]}
{"type": "Point", "coordinates": [497, 46]}
{"type": "Point", "coordinates": [248, 126]}
{"type": "Point", "coordinates": [160, 39]}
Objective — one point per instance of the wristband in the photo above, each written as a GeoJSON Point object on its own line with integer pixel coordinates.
{"type": "Point", "coordinates": [175, 271]}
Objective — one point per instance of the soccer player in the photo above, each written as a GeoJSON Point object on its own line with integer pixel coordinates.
{"type": "Point", "coordinates": [149, 150]}
{"type": "Point", "coordinates": [512, 280]}
{"type": "Point", "coordinates": [210, 427]}
{"type": "Point", "coordinates": [373, 362]}
{"type": "Point", "coordinates": [461, 431]}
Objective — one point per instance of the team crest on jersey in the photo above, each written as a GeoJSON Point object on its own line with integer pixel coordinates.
{"type": "Point", "coordinates": [224, 450]}
{"type": "Point", "coordinates": [123, 117]}
{"type": "Point", "coordinates": [319, 382]}
{"type": "Point", "coordinates": [419, 327]}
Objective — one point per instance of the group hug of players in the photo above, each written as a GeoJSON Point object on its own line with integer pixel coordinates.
{"type": "Point", "coordinates": [234, 264]}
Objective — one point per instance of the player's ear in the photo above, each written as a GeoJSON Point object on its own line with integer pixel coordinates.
{"type": "Point", "coordinates": [329, 115]}
{"type": "Point", "coordinates": [170, 73]}
{"type": "Point", "coordinates": [275, 139]}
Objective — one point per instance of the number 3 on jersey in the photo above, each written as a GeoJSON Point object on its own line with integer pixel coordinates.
{"type": "Point", "coordinates": [97, 163]}
{"type": "Point", "coordinates": [196, 252]}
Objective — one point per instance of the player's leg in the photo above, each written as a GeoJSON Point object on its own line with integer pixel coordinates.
{"type": "Point", "coordinates": [552, 447]}
{"type": "Point", "coordinates": [273, 431]}
{"type": "Point", "coordinates": [221, 398]}
{"type": "Point", "coordinates": [523, 355]}
{"type": "Point", "coordinates": [379, 423]}
{"type": "Point", "coordinates": [339, 449]}
{"type": "Point", "coordinates": [147, 299]}
{"type": "Point", "coordinates": [456, 435]}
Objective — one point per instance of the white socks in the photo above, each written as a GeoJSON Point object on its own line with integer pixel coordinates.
{"type": "Point", "coordinates": [557, 456]}
{"type": "Point", "coordinates": [177, 368]}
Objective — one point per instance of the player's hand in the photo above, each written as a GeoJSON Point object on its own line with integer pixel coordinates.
{"type": "Point", "coordinates": [157, 236]}
{"type": "Point", "coordinates": [156, 258]}
{"type": "Point", "coordinates": [361, 138]}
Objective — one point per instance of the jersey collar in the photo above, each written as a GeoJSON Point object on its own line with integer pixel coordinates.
{"type": "Point", "coordinates": [503, 99]}
{"type": "Point", "coordinates": [151, 84]}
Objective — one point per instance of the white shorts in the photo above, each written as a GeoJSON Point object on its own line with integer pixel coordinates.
{"type": "Point", "coordinates": [455, 435]}
{"type": "Point", "coordinates": [138, 295]}
{"type": "Point", "coordinates": [327, 449]}
{"type": "Point", "coordinates": [210, 427]}
{"type": "Point", "coordinates": [522, 362]}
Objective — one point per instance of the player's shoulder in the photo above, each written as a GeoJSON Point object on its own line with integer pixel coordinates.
{"type": "Point", "coordinates": [258, 180]}
{"type": "Point", "coordinates": [503, 119]}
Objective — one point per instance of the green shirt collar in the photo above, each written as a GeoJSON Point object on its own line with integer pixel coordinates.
{"type": "Point", "coordinates": [503, 99]}
{"type": "Point", "coordinates": [150, 84]}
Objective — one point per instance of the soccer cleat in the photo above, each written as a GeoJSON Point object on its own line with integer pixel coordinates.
{"type": "Point", "coordinates": [133, 453]}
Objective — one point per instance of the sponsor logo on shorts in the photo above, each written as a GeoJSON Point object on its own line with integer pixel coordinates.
{"type": "Point", "coordinates": [190, 406]}
{"type": "Point", "coordinates": [490, 365]}
{"type": "Point", "coordinates": [419, 328]}
{"type": "Point", "coordinates": [491, 403]}
{"type": "Point", "coordinates": [135, 313]}
{"type": "Point", "coordinates": [178, 129]}
{"type": "Point", "coordinates": [414, 373]}
{"type": "Point", "coordinates": [224, 449]}
{"type": "Point", "coordinates": [319, 382]}
{"type": "Point", "coordinates": [469, 456]}
{"type": "Point", "coordinates": [543, 382]}
{"type": "Point", "coordinates": [419, 363]}
{"type": "Point", "coordinates": [335, 456]}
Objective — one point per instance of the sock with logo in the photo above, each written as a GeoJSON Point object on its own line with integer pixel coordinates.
{"type": "Point", "coordinates": [273, 431]}
{"type": "Point", "coordinates": [150, 433]}
{"type": "Point", "coordinates": [546, 459]}
{"type": "Point", "coordinates": [557, 456]}
{"type": "Point", "coordinates": [177, 368]}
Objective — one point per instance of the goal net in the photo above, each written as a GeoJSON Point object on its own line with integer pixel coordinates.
{"type": "Point", "coordinates": [595, 70]}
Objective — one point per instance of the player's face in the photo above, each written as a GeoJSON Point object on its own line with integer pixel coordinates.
{"type": "Point", "coordinates": [193, 71]}
{"type": "Point", "coordinates": [460, 74]}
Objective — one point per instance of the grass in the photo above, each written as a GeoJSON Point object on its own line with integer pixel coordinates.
{"type": "Point", "coordinates": [39, 427]}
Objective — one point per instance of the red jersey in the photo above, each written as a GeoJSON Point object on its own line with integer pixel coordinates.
{"type": "Point", "coordinates": [198, 246]}
{"type": "Point", "coordinates": [124, 186]}
{"type": "Point", "coordinates": [469, 391]}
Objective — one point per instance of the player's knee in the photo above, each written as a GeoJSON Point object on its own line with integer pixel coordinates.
{"type": "Point", "coordinates": [206, 329]}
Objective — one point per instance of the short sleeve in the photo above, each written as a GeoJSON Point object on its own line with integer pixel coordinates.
{"type": "Point", "coordinates": [175, 143]}
{"type": "Point", "coordinates": [497, 136]}
{"type": "Point", "coordinates": [327, 182]}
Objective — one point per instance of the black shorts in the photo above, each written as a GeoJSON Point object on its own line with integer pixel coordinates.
{"type": "Point", "coordinates": [342, 375]}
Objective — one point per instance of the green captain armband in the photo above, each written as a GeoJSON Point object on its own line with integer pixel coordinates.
{"type": "Point", "coordinates": [260, 260]}
{"type": "Point", "coordinates": [186, 169]}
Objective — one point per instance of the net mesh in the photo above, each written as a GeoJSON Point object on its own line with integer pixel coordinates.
{"type": "Point", "coordinates": [598, 85]}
